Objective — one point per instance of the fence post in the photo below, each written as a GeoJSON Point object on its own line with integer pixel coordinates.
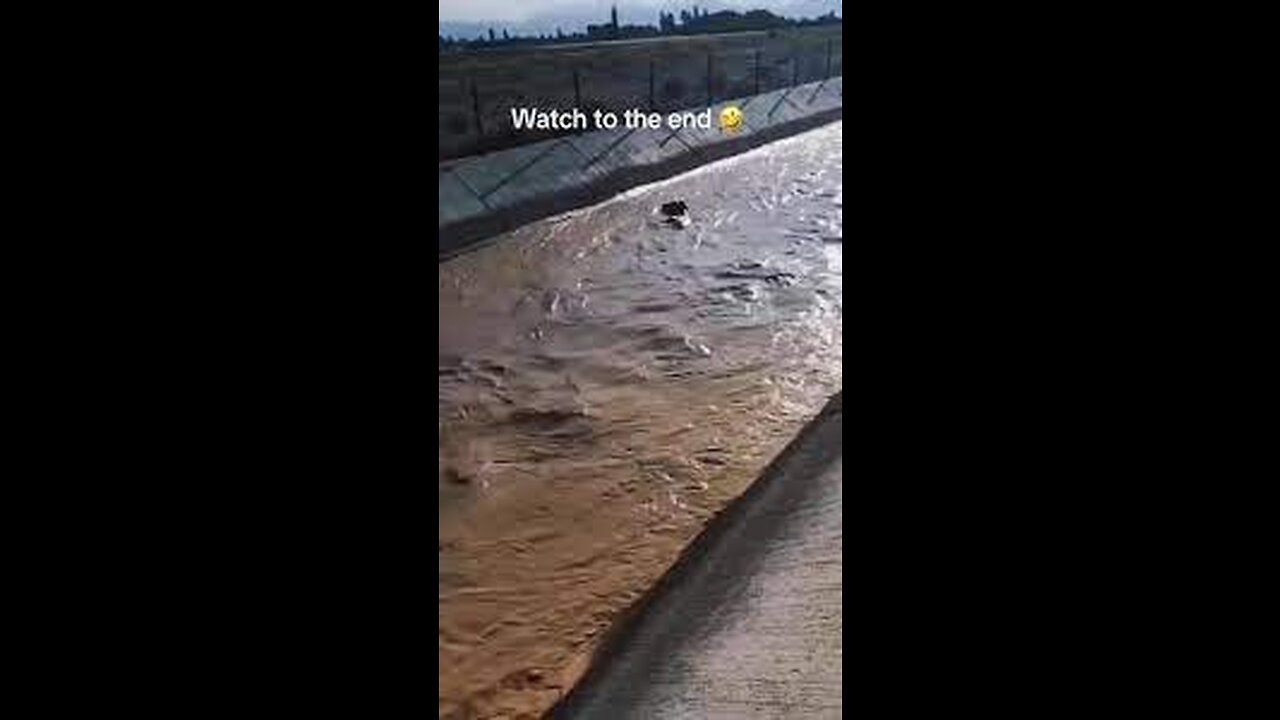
{"type": "Point", "coordinates": [650, 84]}
{"type": "Point", "coordinates": [708, 79]}
{"type": "Point", "coordinates": [757, 92]}
{"type": "Point", "coordinates": [475, 107]}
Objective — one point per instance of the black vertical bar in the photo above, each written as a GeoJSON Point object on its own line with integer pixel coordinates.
{"type": "Point", "coordinates": [828, 58]}
{"type": "Point", "coordinates": [708, 78]}
{"type": "Point", "coordinates": [795, 70]}
{"type": "Point", "coordinates": [577, 90]}
{"type": "Point", "coordinates": [475, 107]}
{"type": "Point", "coordinates": [757, 92]}
{"type": "Point", "coordinates": [650, 84]}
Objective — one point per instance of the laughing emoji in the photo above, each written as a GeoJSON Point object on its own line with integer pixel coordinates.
{"type": "Point", "coordinates": [730, 118]}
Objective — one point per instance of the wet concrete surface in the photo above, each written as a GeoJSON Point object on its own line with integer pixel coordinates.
{"type": "Point", "coordinates": [749, 622]}
{"type": "Point", "coordinates": [607, 384]}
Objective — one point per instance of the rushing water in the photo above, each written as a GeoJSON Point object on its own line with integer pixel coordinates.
{"type": "Point", "coordinates": [607, 381]}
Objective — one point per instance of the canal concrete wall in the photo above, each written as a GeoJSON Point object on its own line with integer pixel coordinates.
{"type": "Point", "coordinates": [478, 87]}
{"type": "Point", "coordinates": [748, 623]}
{"type": "Point", "coordinates": [485, 195]}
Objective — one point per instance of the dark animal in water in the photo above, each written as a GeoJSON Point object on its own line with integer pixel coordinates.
{"type": "Point", "coordinates": [677, 213]}
{"type": "Point", "coordinates": [676, 207]}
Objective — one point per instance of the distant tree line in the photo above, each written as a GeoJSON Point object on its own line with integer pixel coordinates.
{"type": "Point", "coordinates": [690, 22]}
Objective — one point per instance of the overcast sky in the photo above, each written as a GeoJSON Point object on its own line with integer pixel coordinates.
{"type": "Point", "coordinates": [628, 10]}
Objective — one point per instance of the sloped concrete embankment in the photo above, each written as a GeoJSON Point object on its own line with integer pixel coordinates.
{"type": "Point", "coordinates": [748, 622]}
{"type": "Point", "coordinates": [485, 195]}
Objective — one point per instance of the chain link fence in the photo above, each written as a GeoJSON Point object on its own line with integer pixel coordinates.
{"type": "Point", "coordinates": [478, 90]}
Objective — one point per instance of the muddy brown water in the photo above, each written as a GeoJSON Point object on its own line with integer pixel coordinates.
{"type": "Point", "coordinates": [607, 382]}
